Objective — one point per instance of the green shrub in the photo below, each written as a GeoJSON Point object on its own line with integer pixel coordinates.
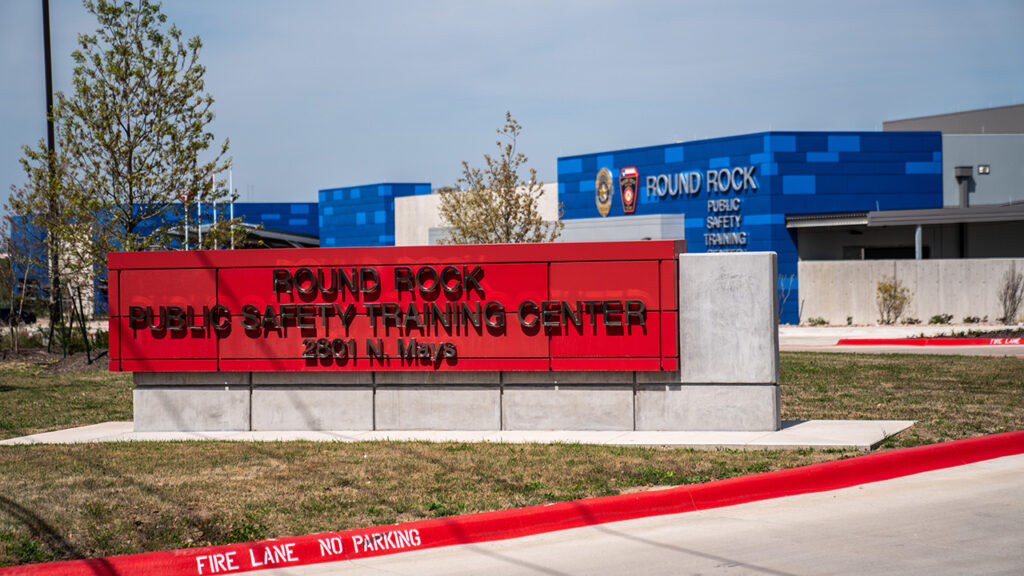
{"type": "Point", "coordinates": [941, 319]}
{"type": "Point", "coordinates": [892, 298]}
{"type": "Point", "coordinates": [971, 320]}
{"type": "Point", "coordinates": [817, 321]}
{"type": "Point", "coordinates": [911, 321]}
{"type": "Point", "coordinates": [101, 339]}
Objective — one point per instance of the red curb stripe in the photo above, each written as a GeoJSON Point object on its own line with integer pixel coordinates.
{"type": "Point", "coordinates": [931, 342]}
{"type": "Point", "coordinates": [506, 524]}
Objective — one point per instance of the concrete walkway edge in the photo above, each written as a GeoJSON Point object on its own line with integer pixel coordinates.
{"type": "Point", "coordinates": [506, 524]}
{"type": "Point", "coordinates": [817, 434]}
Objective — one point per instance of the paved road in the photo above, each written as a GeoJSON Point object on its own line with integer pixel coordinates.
{"type": "Point", "coordinates": [965, 520]}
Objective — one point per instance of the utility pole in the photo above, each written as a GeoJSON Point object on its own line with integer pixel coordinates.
{"type": "Point", "coordinates": [55, 298]}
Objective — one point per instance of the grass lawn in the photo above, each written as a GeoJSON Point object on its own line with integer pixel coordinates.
{"type": "Point", "coordinates": [63, 502]}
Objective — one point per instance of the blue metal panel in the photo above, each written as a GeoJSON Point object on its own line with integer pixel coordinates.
{"type": "Point", "coordinates": [780, 143]}
{"type": "Point", "coordinates": [364, 215]}
{"type": "Point", "coordinates": [798, 184]}
{"type": "Point", "coordinates": [843, 143]}
{"type": "Point", "coordinates": [569, 165]}
{"type": "Point", "coordinates": [924, 167]}
{"type": "Point", "coordinates": [823, 157]}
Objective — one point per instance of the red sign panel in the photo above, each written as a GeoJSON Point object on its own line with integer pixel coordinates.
{"type": "Point", "coordinates": [600, 306]}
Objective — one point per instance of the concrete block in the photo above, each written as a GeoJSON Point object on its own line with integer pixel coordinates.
{"type": "Point", "coordinates": [567, 407]}
{"type": "Point", "coordinates": [728, 318]}
{"type": "Point", "coordinates": [326, 408]}
{"type": "Point", "coordinates": [163, 409]}
{"type": "Point", "coordinates": [312, 378]}
{"type": "Point", "coordinates": [961, 287]}
{"type": "Point", "coordinates": [658, 377]}
{"type": "Point", "coordinates": [190, 378]}
{"type": "Point", "coordinates": [436, 378]}
{"type": "Point", "coordinates": [708, 407]}
{"type": "Point", "coordinates": [461, 407]}
{"type": "Point", "coordinates": [580, 377]}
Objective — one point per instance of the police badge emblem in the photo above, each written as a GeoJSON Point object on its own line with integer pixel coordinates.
{"type": "Point", "coordinates": [628, 178]}
{"type": "Point", "coordinates": [603, 187]}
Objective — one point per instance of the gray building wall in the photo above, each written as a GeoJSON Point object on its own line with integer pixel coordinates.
{"type": "Point", "coordinates": [963, 287]}
{"type": "Point", "coordinates": [1003, 153]}
{"type": "Point", "coordinates": [999, 120]}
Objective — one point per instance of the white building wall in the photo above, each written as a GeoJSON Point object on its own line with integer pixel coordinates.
{"type": "Point", "coordinates": [416, 215]}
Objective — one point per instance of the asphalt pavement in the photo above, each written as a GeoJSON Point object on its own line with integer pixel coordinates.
{"type": "Point", "coordinates": [963, 520]}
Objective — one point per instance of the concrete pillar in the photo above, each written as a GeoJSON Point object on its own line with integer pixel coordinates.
{"type": "Point", "coordinates": [728, 349]}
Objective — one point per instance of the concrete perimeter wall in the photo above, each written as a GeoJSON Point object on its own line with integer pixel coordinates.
{"type": "Point", "coordinates": [728, 380]}
{"type": "Point", "coordinates": [964, 287]}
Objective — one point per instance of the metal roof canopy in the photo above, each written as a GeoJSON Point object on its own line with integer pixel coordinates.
{"type": "Point", "coordinates": [826, 220]}
{"type": "Point", "coordinates": [1010, 212]}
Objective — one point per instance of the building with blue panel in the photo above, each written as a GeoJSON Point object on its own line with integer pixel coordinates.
{"type": "Point", "coordinates": [736, 193]}
{"type": "Point", "coordinates": [294, 217]}
{"type": "Point", "coordinates": [362, 215]}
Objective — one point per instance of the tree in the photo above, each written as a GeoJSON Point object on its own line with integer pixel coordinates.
{"type": "Point", "coordinates": [494, 205]}
{"type": "Point", "coordinates": [134, 126]}
{"type": "Point", "coordinates": [1011, 296]}
{"type": "Point", "coordinates": [48, 227]}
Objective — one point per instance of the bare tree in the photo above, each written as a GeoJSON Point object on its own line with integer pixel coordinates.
{"type": "Point", "coordinates": [494, 205]}
{"type": "Point", "coordinates": [1011, 295]}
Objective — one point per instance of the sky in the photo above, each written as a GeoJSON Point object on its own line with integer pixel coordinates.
{"type": "Point", "coordinates": [324, 94]}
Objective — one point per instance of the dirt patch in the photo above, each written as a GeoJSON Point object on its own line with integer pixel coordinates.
{"type": "Point", "coordinates": [54, 362]}
{"type": "Point", "coordinates": [78, 362]}
{"type": "Point", "coordinates": [36, 356]}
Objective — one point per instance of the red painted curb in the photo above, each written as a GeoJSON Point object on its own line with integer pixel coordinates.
{"type": "Point", "coordinates": [506, 524]}
{"type": "Point", "coordinates": [931, 342]}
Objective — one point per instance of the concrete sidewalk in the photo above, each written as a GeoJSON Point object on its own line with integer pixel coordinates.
{"type": "Point", "coordinates": [819, 434]}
